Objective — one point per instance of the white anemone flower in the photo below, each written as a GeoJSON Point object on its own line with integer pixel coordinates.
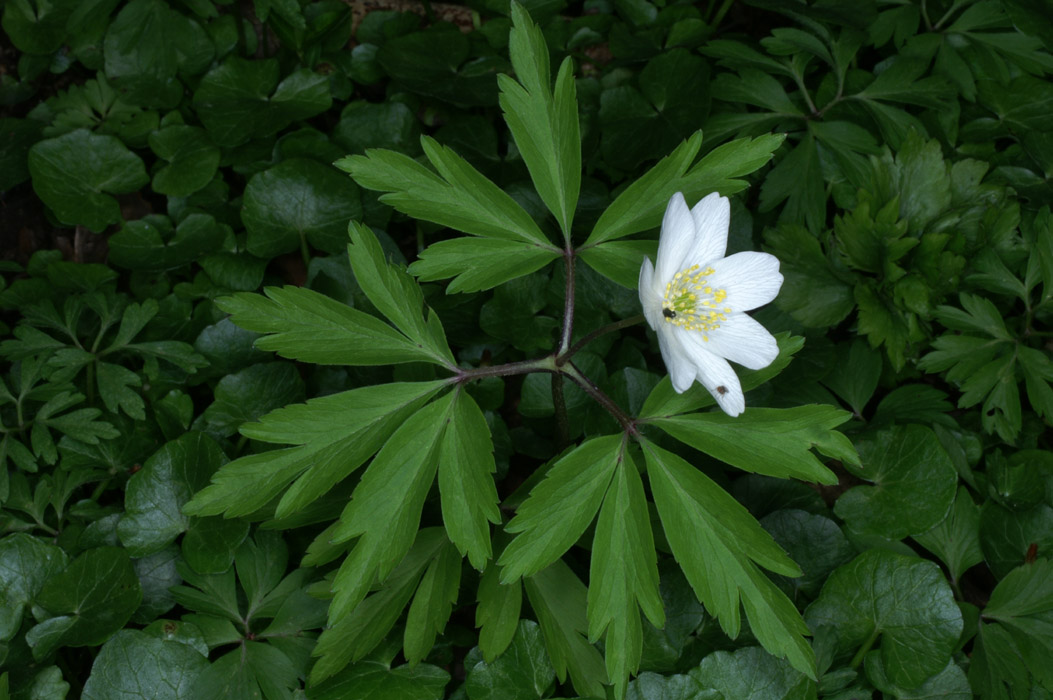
{"type": "Point", "coordinates": [696, 300]}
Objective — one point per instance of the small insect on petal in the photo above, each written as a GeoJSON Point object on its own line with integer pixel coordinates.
{"type": "Point", "coordinates": [668, 313]}
{"type": "Point", "coordinates": [722, 390]}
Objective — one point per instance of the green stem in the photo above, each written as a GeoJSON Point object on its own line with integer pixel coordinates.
{"type": "Point", "coordinates": [305, 252]}
{"type": "Point", "coordinates": [564, 357]}
{"type": "Point", "coordinates": [542, 364]}
{"type": "Point", "coordinates": [858, 658]}
{"type": "Point", "coordinates": [560, 405]}
{"type": "Point", "coordinates": [725, 6]}
{"type": "Point", "coordinates": [568, 304]}
{"type": "Point", "coordinates": [624, 419]}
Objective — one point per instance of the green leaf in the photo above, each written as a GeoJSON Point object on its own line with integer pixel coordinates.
{"type": "Point", "coordinates": [914, 484]}
{"type": "Point", "coordinates": [772, 441]}
{"type": "Point", "coordinates": [814, 542]}
{"type": "Point", "coordinates": [459, 196]}
{"type": "Point", "coordinates": [26, 564]}
{"type": "Point", "coordinates": [395, 294]}
{"type": "Point", "coordinates": [620, 261]}
{"type": "Point", "coordinates": [544, 124]}
{"type": "Point", "coordinates": [336, 434]}
{"type": "Point", "coordinates": [477, 264]}
{"type": "Point", "coordinates": [355, 635]}
{"type": "Point", "coordinates": [956, 540]}
{"type": "Point", "coordinates": [143, 50]}
{"type": "Point", "coordinates": [390, 125]}
{"type": "Point", "coordinates": [76, 174]}
{"type": "Point", "coordinates": [751, 674]}
{"type": "Point", "coordinates": [642, 204]}
{"type": "Point", "coordinates": [523, 672]}
{"type": "Point", "coordinates": [624, 573]}
{"type": "Point", "coordinates": [244, 396]}
{"type": "Point", "coordinates": [37, 27]}
{"type": "Point", "coordinates": [497, 614]}
{"type": "Point", "coordinates": [466, 482]}
{"type": "Point", "coordinates": [950, 683]}
{"type": "Point", "coordinates": [192, 160]}
{"type": "Point", "coordinates": [812, 292]}
{"type": "Point", "coordinates": [904, 601]}
{"type": "Point", "coordinates": [254, 670]}
{"type": "Point", "coordinates": [367, 680]}
{"type": "Point", "coordinates": [717, 543]}
{"type": "Point", "coordinates": [431, 607]}
{"type": "Point", "coordinates": [559, 508]}
{"type": "Point", "coordinates": [297, 202]}
{"type": "Point", "coordinates": [210, 543]}
{"type": "Point", "coordinates": [95, 596]}
{"type": "Point", "coordinates": [1007, 535]}
{"type": "Point", "coordinates": [235, 100]}
{"type": "Point", "coordinates": [856, 378]}
{"type": "Point", "coordinates": [797, 181]}
{"type": "Point", "coordinates": [156, 493]}
{"type": "Point", "coordinates": [1016, 633]}
{"type": "Point", "coordinates": [150, 244]}
{"type": "Point", "coordinates": [558, 598]}
{"type": "Point", "coordinates": [163, 669]}
{"type": "Point", "coordinates": [385, 509]}
{"type": "Point", "coordinates": [304, 325]}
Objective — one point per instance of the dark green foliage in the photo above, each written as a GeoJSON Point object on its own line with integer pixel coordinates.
{"type": "Point", "coordinates": [274, 271]}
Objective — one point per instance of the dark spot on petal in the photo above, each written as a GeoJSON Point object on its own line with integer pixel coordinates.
{"type": "Point", "coordinates": [722, 390]}
{"type": "Point", "coordinates": [668, 313]}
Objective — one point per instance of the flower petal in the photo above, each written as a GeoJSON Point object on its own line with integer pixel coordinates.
{"type": "Point", "coordinates": [714, 373]}
{"type": "Point", "coordinates": [751, 279]}
{"type": "Point", "coordinates": [650, 298]}
{"type": "Point", "coordinates": [682, 369]}
{"type": "Point", "coordinates": [712, 216]}
{"type": "Point", "coordinates": [741, 339]}
{"type": "Point", "coordinates": [675, 241]}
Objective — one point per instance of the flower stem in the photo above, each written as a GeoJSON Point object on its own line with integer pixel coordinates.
{"type": "Point", "coordinates": [565, 356]}
{"type": "Point", "coordinates": [560, 405]}
{"type": "Point", "coordinates": [568, 303]}
{"type": "Point", "coordinates": [541, 364]}
{"type": "Point", "coordinates": [627, 423]}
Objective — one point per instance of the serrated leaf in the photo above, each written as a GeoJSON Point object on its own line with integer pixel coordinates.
{"type": "Point", "coordinates": [558, 598]}
{"type": "Point", "coordinates": [477, 264]}
{"type": "Point", "coordinates": [459, 196]}
{"type": "Point", "coordinates": [771, 441]}
{"type": "Point", "coordinates": [559, 508]}
{"type": "Point", "coordinates": [956, 540]}
{"type": "Point", "coordinates": [385, 509]}
{"type": "Point", "coordinates": [394, 293]}
{"type": "Point", "coordinates": [355, 635]}
{"type": "Point", "coordinates": [523, 672]}
{"type": "Point", "coordinates": [466, 483]}
{"type": "Point", "coordinates": [544, 124]}
{"type": "Point", "coordinates": [432, 604]}
{"type": "Point", "coordinates": [335, 434]}
{"type": "Point", "coordinates": [624, 575]}
{"type": "Point", "coordinates": [302, 324]}
{"type": "Point", "coordinates": [497, 614]}
{"type": "Point", "coordinates": [717, 542]}
{"type": "Point", "coordinates": [370, 679]}
{"type": "Point", "coordinates": [641, 205]}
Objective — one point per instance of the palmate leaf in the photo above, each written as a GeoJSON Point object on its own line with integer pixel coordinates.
{"type": "Point", "coordinates": [544, 125]}
{"type": "Point", "coordinates": [719, 545]}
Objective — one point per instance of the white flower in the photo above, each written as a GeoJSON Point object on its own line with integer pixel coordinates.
{"type": "Point", "coordinates": [696, 300]}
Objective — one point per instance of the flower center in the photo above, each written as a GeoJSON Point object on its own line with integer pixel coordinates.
{"type": "Point", "coordinates": [691, 303]}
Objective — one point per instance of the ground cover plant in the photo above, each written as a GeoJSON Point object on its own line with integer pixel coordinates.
{"type": "Point", "coordinates": [326, 372]}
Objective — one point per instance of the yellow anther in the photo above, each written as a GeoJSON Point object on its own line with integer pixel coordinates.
{"type": "Point", "coordinates": [683, 306]}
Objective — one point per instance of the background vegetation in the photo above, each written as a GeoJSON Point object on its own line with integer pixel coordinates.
{"type": "Point", "coordinates": [158, 156]}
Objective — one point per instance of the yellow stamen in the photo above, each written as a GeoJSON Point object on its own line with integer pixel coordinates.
{"type": "Point", "coordinates": [683, 306]}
